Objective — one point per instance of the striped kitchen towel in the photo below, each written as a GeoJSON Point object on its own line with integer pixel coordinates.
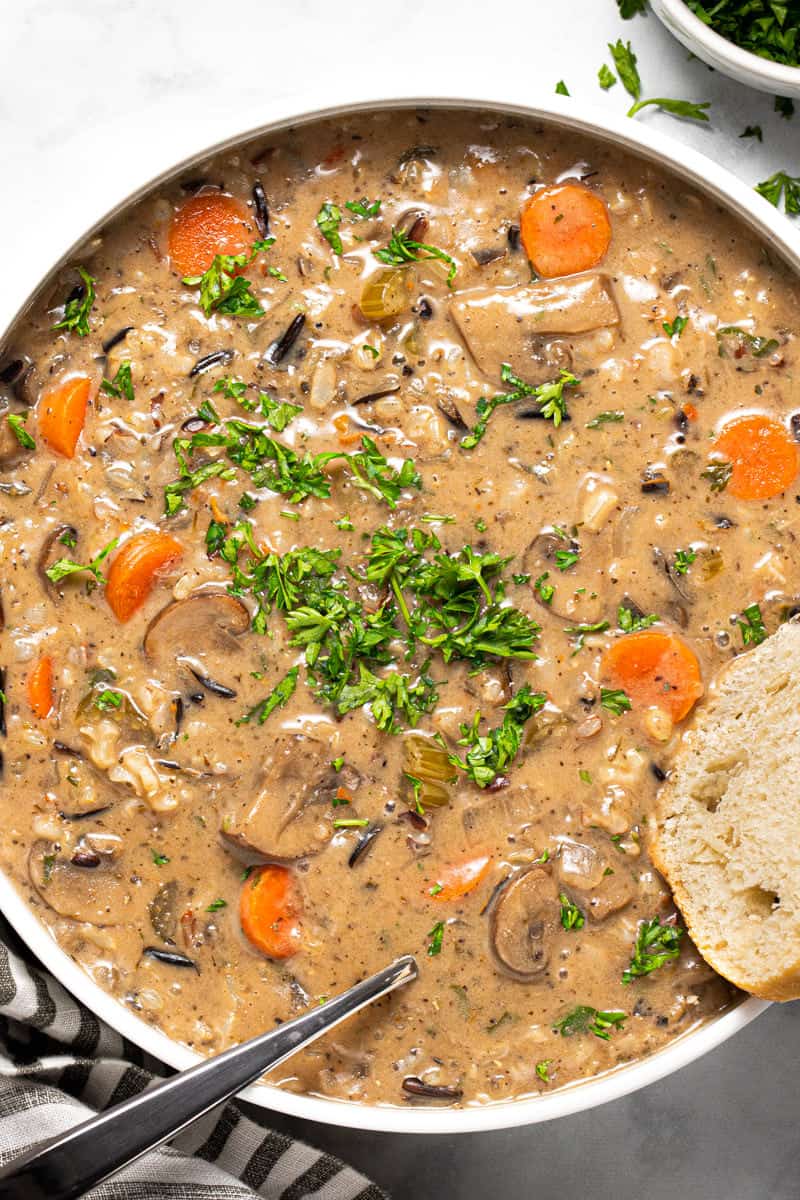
{"type": "Point", "coordinates": [59, 1064]}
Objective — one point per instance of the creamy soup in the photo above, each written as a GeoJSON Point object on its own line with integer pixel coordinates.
{"type": "Point", "coordinates": [377, 502]}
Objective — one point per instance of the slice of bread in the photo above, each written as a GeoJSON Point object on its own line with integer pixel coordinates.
{"type": "Point", "coordinates": [727, 835]}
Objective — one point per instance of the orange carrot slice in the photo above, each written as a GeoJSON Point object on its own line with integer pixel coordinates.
{"type": "Point", "coordinates": [461, 878]}
{"type": "Point", "coordinates": [208, 224]}
{"type": "Point", "coordinates": [40, 687]}
{"type": "Point", "coordinates": [269, 911]}
{"type": "Point", "coordinates": [62, 413]}
{"type": "Point", "coordinates": [133, 571]}
{"type": "Point", "coordinates": [565, 229]}
{"type": "Point", "coordinates": [655, 669]}
{"type": "Point", "coordinates": [763, 457]}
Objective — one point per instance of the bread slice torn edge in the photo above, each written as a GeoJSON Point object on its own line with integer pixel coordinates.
{"type": "Point", "coordinates": [727, 822]}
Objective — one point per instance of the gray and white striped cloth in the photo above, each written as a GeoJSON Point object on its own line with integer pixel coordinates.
{"type": "Point", "coordinates": [59, 1064]}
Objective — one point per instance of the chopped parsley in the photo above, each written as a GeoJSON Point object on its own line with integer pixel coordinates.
{"type": "Point", "coordinates": [782, 185]}
{"type": "Point", "coordinates": [676, 327]}
{"type": "Point", "coordinates": [655, 945]}
{"type": "Point", "coordinates": [585, 776]}
{"type": "Point", "coordinates": [350, 823]}
{"type": "Point", "coordinates": [683, 560]}
{"type": "Point", "coordinates": [752, 626]}
{"type": "Point", "coordinates": [401, 249]}
{"type": "Point", "coordinates": [437, 936]}
{"type": "Point", "coordinates": [625, 62]}
{"type": "Point", "coordinates": [718, 475]}
{"type": "Point", "coordinates": [606, 77]}
{"type": "Point", "coordinates": [629, 8]}
{"type": "Point", "coordinates": [108, 700]}
{"type": "Point", "coordinates": [605, 418]}
{"type": "Point", "coordinates": [364, 209]}
{"type": "Point", "coordinates": [785, 105]}
{"type": "Point", "coordinates": [490, 754]}
{"type": "Point", "coordinates": [160, 860]}
{"type": "Point", "coordinates": [629, 622]}
{"type": "Point", "coordinates": [65, 566]}
{"type": "Point", "coordinates": [216, 905]}
{"type": "Point", "coordinates": [223, 290]}
{"type": "Point", "coordinates": [768, 28]}
{"type": "Point", "coordinates": [579, 632]}
{"type": "Point", "coordinates": [615, 701]}
{"type": "Point", "coordinates": [571, 915]}
{"type": "Point", "coordinates": [278, 697]}
{"type": "Point", "coordinates": [16, 423]}
{"type": "Point", "coordinates": [585, 1019]}
{"type": "Point", "coordinates": [542, 1069]}
{"type": "Point", "coordinates": [564, 559]}
{"type": "Point", "coordinates": [753, 131]}
{"type": "Point", "coordinates": [121, 385]}
{"type": "Point", "coordinates": [545, 589]}
{"type": "Point", "coordinates": [549, 396]}
{"type": "Point", "coordinates": [338, 763]}
{"type": "Point", "coordinates": [78, 306]}
{"type": "Point", "coordinates": [329, 218]}
{"type": "Point", "coordinates": [561, 88]}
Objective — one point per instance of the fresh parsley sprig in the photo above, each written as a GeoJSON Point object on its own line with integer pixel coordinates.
{"type": "Point", "coordinates": [655, 945]}
{"type": "Point", "coordinates": [224, 290]}
{"type": "Point", "coordinates": [782, 185]}
{"type": "Point", "coordinates": [63, 567]}
{"type": "Point", "coordinates": [401, 249]}
{"type": "Point", "coordinates": [122, 383]}
{"type": "Point", "coordinates": [79, 305]}
{"type": "Point", "coordinates": [16, 423]}
{"type": "Point", "coordinates": [490, 754]}
{"type": "Point", "coordinates": [549, 396]}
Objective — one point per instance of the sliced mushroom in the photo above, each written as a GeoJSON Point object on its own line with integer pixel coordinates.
{"type": "Point", "coordinates": [102, 895]}
{"type": "Point", "coordinates": [292, 816]}
{"type": "Point", "coordinates": [199, 635]}
{"type": "Point", "coordinates": [524, 922]}
{"type": "Point", "coordinates": [503, 324]}
{"type": "Point", "coordinates": [578, 597]}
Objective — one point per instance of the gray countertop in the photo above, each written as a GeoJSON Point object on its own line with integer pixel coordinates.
{"type": "Point", "coordinates": [91, 89]}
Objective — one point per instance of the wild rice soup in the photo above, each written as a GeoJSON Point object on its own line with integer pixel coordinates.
{"type": "Point", "coordinates": [377, 502]}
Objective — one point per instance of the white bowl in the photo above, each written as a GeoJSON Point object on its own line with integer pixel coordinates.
{"type": "Point", "coordinates": [700, 173]}
{"type": "Point", "coordinates": [725, 56]}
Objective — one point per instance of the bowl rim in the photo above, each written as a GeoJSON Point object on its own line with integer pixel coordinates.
{"type": "Point", "coordinates": [703, 174]}
{"type": "Point", "coordinates": [714, 48]}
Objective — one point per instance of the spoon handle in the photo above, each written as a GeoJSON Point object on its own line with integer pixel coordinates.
{"type": "Point", "coordinates": [66, 1166]}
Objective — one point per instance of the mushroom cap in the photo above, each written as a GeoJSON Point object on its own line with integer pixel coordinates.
{"type": "Point", "coordinates": [198, 633]}
{"type": "Point", "coordinates": [524, 922]}
{"type": "Point", "coordinates": [102, 894]}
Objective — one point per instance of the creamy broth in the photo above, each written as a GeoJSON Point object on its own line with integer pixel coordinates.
{"type": "Point", "coordinates": [147, 785]}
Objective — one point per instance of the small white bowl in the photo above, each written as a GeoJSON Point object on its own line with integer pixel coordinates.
{"type": "Point", "coordinates": [725, 56]}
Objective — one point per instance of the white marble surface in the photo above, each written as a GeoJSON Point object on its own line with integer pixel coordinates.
{"type": "Point", "coordinates": [95, 98]}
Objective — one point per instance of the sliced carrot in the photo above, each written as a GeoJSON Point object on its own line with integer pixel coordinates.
{"type": "Point", "coordinates": [269, 910]}
{"type": "Point", "coordinates": [564, 229]}
{"type": "Point", "coordinates": [764, 459]}
{"type": "Point", "coordinates": [62, 413]}
{"type": "Point", "coordinates": [690, 411]}
{"type": "Point", "coordinates": [208, 224]}
{"type": "Point", "coordinates": [460, 878]}
{"type": "Point", "coordinates": [655, 669]}
{"type": "Point", "coordinates": [40, 687]}
{"type": "Point", "coordinates": [133, 571]}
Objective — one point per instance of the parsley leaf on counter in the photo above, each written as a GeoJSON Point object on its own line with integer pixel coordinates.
{"type": "Point", "coordinates": [561, 88]}
{"type": "Point", "coordinates": [491, 753]}
{"type": "Point", "coordinates": [752, 626]}
{"type": "Point", "coordinates": [401, 249]}
{"type": "Point", "coordinates": [753, 131]}
{"type": "Point", "coordinates": [78, 306]}
{"type": "Point", "coordinates": [629, 8]}
{"type": "Point", "coordinates": [279, 696]}
{"type": "Point", "coordinates": [733, 341]}
{"type": "Point", "coordinates": [121, 385]}
{"type": "Point", "coordinates": [781, 184]}
{"type": "Point", "coordinates": [16, 423]}
{"type": "Point", "coordinates": [329, 218]}
{"type": "Point", "coordinates": [655, 945]}
{"type": "Point", "coordinates": [678, 108]}
{"type": "Point", "coordinates": [549, 396]}
{"type": "Point", "coordinates": [625, 62]}
{"type": "Point", "coordinates": [585, 1019]}
{"type": "Point", "coordinates": [785, 106]}
{"type": "Point", "coordinates": [606, 77]}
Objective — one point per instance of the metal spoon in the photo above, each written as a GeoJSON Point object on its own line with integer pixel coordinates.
{"type": "Point", "coordinates": [66, 1166]}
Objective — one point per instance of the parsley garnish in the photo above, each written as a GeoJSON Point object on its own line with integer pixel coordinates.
{"type": "Point", "coordinates": [122, 384]}
{"type": "Point", "coordinates": [675, 328]}
{"type": "Point", "coordinates": [605, 418]}
{"type": "Point", "coordinates": [437, 936]}
{"type": "Point", "coordinates": [629, 622]}
{"type": "Point", "coordinates": [160, 860]}
{"type": "Point", "coordinates": [549, 396]}
{"type": "Point", "coordinates": [545, 589]}
{"type": "Point", "coordinates": [216, 905]}
{"type": "Point", "coordinates": [108, 700]}
{"type": "Point", "coordinates": [615, 701]}
{"type": "Point", "coordinates": [329, 218]}
{"type": "Point", "coordinates": [363, 208]}
{"type": "Point", "coordinates": [542, 1071]}
{"type": "Point", "coordinates": [222, 289]}
{"type": "Point", "coordinates": [743, 342]}
{"type": "Point", "coordinates": [16, 423]}
{"type": "Point", "coordinates": [401, 249]}
{"type": "Point", "coordinates": [585, 1019]}
{"type": "Point", "coordinates": [491, 753]}
{"type": "Point", "coordinates": [561, 88]}
{"type": "Point", "coordinates": [579, 632]}
{"type": "Point", "coordinates": [768, 28]}
{"type": "Point", "coordinates": [753, 131]}
{"type": "Point", "coordinates": [752, 627]}
{"type": "Point", "coordinates": [683, 560]}
{"type": "Point", "coordinates": [785, 106]}
{"type": "Point", "coordinates": [655, 945]}
{"type": "Point", "coordinates": [564, 559]}
{"type": "Point", "coordinates": [718, 475]}
{"type": "Point", "coordinates": [629, 8]}
{"type": "Point", "coordinates": [279, 696]}
{"type": "Point", "coordinates": [78, 307]}
{"type": "Point", "coordinates": [625, 62]}
{"type": "Point", "coordinates": [571, 915]}
{"type": "Point", "coordinates": [781, 184]}
{"type": "Point", "coordinates": [65, 566]}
